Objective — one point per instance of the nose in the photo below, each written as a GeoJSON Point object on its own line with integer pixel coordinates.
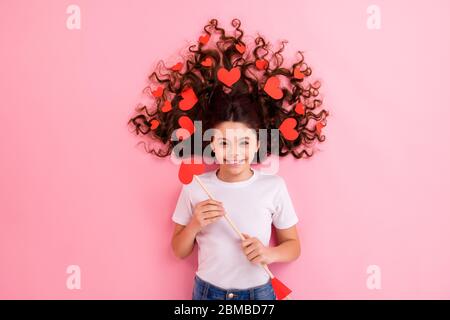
{"type": "Point", "coordinates": [233, 152]}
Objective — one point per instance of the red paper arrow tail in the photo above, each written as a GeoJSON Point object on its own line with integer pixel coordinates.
{"type": "Point", "coordinates": [281, 291]}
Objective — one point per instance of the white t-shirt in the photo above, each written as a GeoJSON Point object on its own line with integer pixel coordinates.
{"type": "Point", "coordinates": [253, 205]}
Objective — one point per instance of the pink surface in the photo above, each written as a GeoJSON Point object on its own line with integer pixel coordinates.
{"type": "Point", "coordinates": [76, 191]}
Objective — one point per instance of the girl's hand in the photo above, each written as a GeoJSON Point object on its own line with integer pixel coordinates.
{"type": "Point", "coordinates": [255, 251]}
{"type": "Point", "coordinates": [205, 213]}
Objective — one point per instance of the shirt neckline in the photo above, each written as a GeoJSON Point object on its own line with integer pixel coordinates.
{"type": "Point", "coordinates": [235, 184]}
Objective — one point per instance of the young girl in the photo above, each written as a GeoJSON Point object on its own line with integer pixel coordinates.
{"type": "Point", "coordinates": [228, 268]}
{"type": "Point", "coordinates": [234, 91]}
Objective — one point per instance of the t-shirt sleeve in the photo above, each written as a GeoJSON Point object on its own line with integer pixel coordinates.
{"type": "Point", "coordinates": [285, 215]}
{"type": "Point", "coordinates": [183, 209]}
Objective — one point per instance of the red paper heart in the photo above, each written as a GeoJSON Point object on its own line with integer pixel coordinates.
{"type": "Point", "coordinates": [187, 171]}
{"type": "Point", "coordinates": [185, 123]}
{"type": "Point", "coordinates": [272, 88]}
{"type": "Point", "coordinates": [167, 106]}
{"type": "Point", "coordinates": [158, 92]}
{"type": "Point", "coordinates": [299, 108]}
{"type": "Point", "coordinates": [240, 47]}
{"type": "Point", "coordinates": [319, 126]}
{"type": "Point", "coordinates": [177, 67]}
{"type": "Point", "coordinates": [229, 77]}
{"type": "Point", "coordinates": [204, 39]}
{"type": "Point", "coordinates": [207, 62]}
{"type": "Point", "coordinates": [287, 128]}
{"type": "Point", "coordinates": [298, 74]}
{"type": "Point", "coordinates": [154, 124]}
{"type": "Point", "coordinates": [189, 99]}
{"type": "Point", "coordinates": [261, 64]}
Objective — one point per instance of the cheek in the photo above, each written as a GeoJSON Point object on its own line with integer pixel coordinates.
{"type": "Point", "coordinates": [251, 149]}
{"type": "Point", "coordinates": [220, 153]}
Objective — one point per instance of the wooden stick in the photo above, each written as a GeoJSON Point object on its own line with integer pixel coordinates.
{"type": "Point", "coordinates": [234, 226]}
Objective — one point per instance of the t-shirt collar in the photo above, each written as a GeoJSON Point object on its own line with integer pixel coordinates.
{"type": "Point", "coordinates": [237, 183]}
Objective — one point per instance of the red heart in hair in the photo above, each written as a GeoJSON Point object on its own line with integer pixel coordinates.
{"type": "Point", "coordinates": [158, 92]}
{"type": "Point", "coordinates": [187, 171]}
{"type": "Point", "coordinates": [189, 99]}
{"type": "Point", "coordinates": [204, 39]}
{"type": "Point", "coordinates": [261, 64]}
{"type": "Point", "coordinates": [229, 77]}
{"type": "Point", "coordinates": [177, 67]}
{"type": "Point", "coordinates": [287, 128]}
{"type": "Point", "coordinates": [185, 123]}
{"type": "Point", "coordinates": [319, 126]}
{"type": "Point", "coordinates": [299, 108]}
{"type": "Point", "coordinates": [154, 124]}
{"type": "Point", "coordinates": [298, 74]}
{"type": "Point", "coordinates": [240, 47]}
{"type": "Point", "coordinates": [167, 106]}
{"type": "Point", "coordinates": [207, 62]}
{"type": "Point", "coordinates": [272, 88]}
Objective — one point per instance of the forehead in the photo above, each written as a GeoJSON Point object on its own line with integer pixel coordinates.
{"type": "Point", "coordinates": [233, 130]}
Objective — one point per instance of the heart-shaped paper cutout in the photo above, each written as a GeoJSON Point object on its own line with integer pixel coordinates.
{"type": "Point", "coordinates": [229, 77]}
{"type": "Point", "coordinates": [207, 62]}
{"type": "Point", "coordinates": [177, 67]}
{"type": "Point", "coordinates": [158, 92]}
{"type": "Point", "coordinates": [298, 74]}
{"type": "Point", "coordinates": [319, 126]}
{"type": "Point", "coordinates": [154, 124]}
{"type": "Point", "coordinates": [189, 99]}
{"type": "Point", "coordinates": [240, 47]}
{"type": "Point", "coordinates": [167, 106]}
{"type": "Point", "coordinates": [204, 39]}
{"type": "Point", "coordinates": [261, 64]}
{"type": "Point", "coordinates": [185, 123]}
{"type": "Point", "coordinates": [287, 128]}
{"type": "Point", "coordinates": [272, 88]}
{"type": "Point", "coordinates": [299, 108]}
{"type": "Point", "coordinates": [188, 169]}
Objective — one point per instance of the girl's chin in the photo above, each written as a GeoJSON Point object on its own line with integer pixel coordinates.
{"type": "Point", "coordinates": [235, 167]}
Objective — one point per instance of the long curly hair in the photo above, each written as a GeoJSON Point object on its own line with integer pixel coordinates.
{"type": "Point", "coordinates": [226, 80]}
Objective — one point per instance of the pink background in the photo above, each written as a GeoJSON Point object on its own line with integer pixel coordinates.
{"type": "Point", "coordinates": [75, 189]}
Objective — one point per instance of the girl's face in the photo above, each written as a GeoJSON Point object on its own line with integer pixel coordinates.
{"type": "Point", "coordinates": [235, 146]}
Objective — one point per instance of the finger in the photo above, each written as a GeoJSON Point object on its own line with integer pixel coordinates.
{"type": "Point", "coordinates": [247, 242]}
{"type": "Point", "coordinates": [252, 255]}
{"type": "Point", "coordinates": [209, 221]}
{"type": "Point", "coordinates": [215, 202]}
{"type": "Point", "coordinates": [247, 237]}
{"type": "Point", "coordinates": [250, 249]}
{"type": "Point", "coordinates": [213, 211]}
{"type": "Point", "coordinates": [211, 201]}
{"type": "Point", "coordinates": [201, 203]}
{"type": "Point", "coordinates": [257, 259]}
{"type": "Point", "coordinates": [211, 207]}
{"type": "Point", "coordinates": [213, 214]}
{"type": "Point", "coordinates": [207, 202]}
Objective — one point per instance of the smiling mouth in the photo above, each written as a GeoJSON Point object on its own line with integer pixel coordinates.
{"type": "Point", "coordinates": [235, 162]}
